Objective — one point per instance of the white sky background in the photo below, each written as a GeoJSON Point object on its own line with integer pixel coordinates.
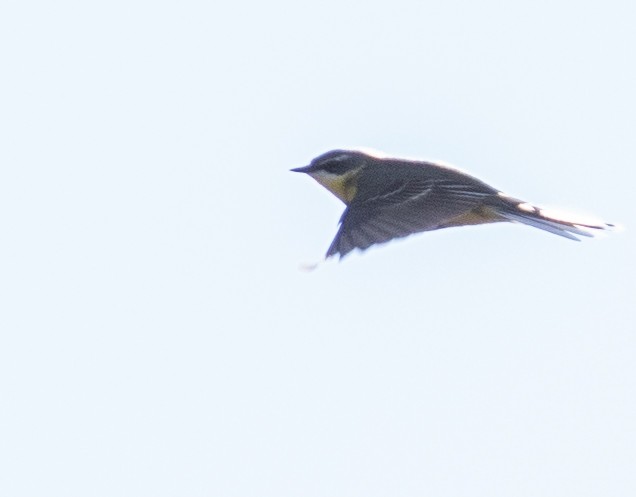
{"type": "Point", "coordinates": [156, 335]}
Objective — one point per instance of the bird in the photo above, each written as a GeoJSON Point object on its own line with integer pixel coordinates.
{"type": "Point", "coordinates": [389, 197]}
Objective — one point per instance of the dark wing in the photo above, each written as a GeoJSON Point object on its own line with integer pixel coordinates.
{"type": "Point", "coordinates": [415, 206]}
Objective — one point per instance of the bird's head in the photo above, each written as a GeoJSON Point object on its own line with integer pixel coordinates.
{"type": "Point", "coordinates": [336, 170]}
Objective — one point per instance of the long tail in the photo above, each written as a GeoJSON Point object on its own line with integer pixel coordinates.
{"type": "Point", "coordinates": [518, 211]}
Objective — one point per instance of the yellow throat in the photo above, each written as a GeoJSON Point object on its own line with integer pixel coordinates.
{"type": "Point", "coordinates": [343, 186]}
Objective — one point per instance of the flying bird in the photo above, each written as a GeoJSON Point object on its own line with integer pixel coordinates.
{"type": "Point", "coordinates": [389, 198]}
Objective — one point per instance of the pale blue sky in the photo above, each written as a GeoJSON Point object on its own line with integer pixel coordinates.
{"type": "Point", "coordinates": [157, 337]}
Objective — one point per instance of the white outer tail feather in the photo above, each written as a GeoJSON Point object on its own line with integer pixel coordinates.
{"type": "Point", "coordinates": [533, 216]}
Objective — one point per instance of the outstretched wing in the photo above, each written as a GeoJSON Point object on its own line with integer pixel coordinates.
{"type": "Point", "coordinates": [411, 207]}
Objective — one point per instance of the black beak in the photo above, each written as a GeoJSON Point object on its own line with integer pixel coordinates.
{"type": "Point", "coordinates": [304, 169]}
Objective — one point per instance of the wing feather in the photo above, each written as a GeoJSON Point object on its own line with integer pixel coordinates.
{"type": "Point", "coordinates": [413, 207]}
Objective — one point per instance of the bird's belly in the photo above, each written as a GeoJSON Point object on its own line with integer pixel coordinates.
{"type": "Point", "coordinates": [479, 215]}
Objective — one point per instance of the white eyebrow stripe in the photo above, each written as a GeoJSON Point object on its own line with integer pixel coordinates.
{"type": "Point", "coordinates": [338, 158]}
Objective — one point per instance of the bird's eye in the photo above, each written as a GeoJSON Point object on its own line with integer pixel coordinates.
{"type": "Point", "coordinates": [336, 165]}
